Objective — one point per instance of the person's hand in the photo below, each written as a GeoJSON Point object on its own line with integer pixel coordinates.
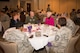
{"type": "Point", "coordinates": [58, 26]}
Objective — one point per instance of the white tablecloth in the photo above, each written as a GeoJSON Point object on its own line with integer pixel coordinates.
{"type": "Point", "coordinates": [39, 42]}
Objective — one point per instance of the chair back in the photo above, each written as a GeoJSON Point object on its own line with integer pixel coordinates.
{"type": "Point", "coordinates": [9, 47]}
{"type": "Point", "coordinates": [76, 30]}
{"type": "Point", "coordinates": [71, 44]}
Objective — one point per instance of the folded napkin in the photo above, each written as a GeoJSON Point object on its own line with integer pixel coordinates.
{"type": "Point", "coordinates": [49, 44]}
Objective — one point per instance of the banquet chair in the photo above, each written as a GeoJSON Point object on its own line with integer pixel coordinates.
{"type": "Point", "coordinates": [9, 47]}
{"type": "Point", "coordinates": [77, 45]}
{"type": "Point", "coordinates": [71, 44]}
{"type": "Point", "coordinates": [0, 27]}
{"type": "Point", "coordinates": [1, 50]}
{"type": "Point", "coordinates": [5, 25]}
{"type": "Point", "coordinates": [76, 30]}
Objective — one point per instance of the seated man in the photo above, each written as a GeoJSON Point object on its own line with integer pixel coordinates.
{"type": "Point", "coordinates": [31, 19]}
{"type": "Point", "coordinates": [20, 38]}
{"type": "Point", "coordinates": [62, 37]}
{"type": "Point", "coordinates": [71, 25]}
{"type": "Point", "coordinates": [5, 20]}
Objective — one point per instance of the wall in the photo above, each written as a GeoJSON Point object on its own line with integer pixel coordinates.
{"type": "Point", "coordinates": [11, 4]}
{"type": "Point", "coordinates": [35, 4]}
{"type": "Point", "coordinates": [60, 5]}
{"type": "Point", "coordinates": [55, 5]}
{"type": "Point", "coordinates": [24, 5]}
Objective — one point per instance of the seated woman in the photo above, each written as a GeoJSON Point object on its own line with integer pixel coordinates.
{"type": "Point", "coordinates": [49, 19]}
{"type": "Point", "coordinates": [20, 38]}
{"type": "Point", "coordinates": [15, 19]}
{"type": "Point", "coordinates": [62, 37]}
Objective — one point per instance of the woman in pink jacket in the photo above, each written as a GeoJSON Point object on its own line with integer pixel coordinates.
{"type": "Point", "coordinates": [49, 19]}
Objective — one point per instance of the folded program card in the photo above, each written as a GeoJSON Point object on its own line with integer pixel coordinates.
{"type": "Point", "coordinates": [37, 33]}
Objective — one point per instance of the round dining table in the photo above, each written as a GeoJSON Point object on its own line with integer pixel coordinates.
{"type": "Point", "coordinates": [40, 35]}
